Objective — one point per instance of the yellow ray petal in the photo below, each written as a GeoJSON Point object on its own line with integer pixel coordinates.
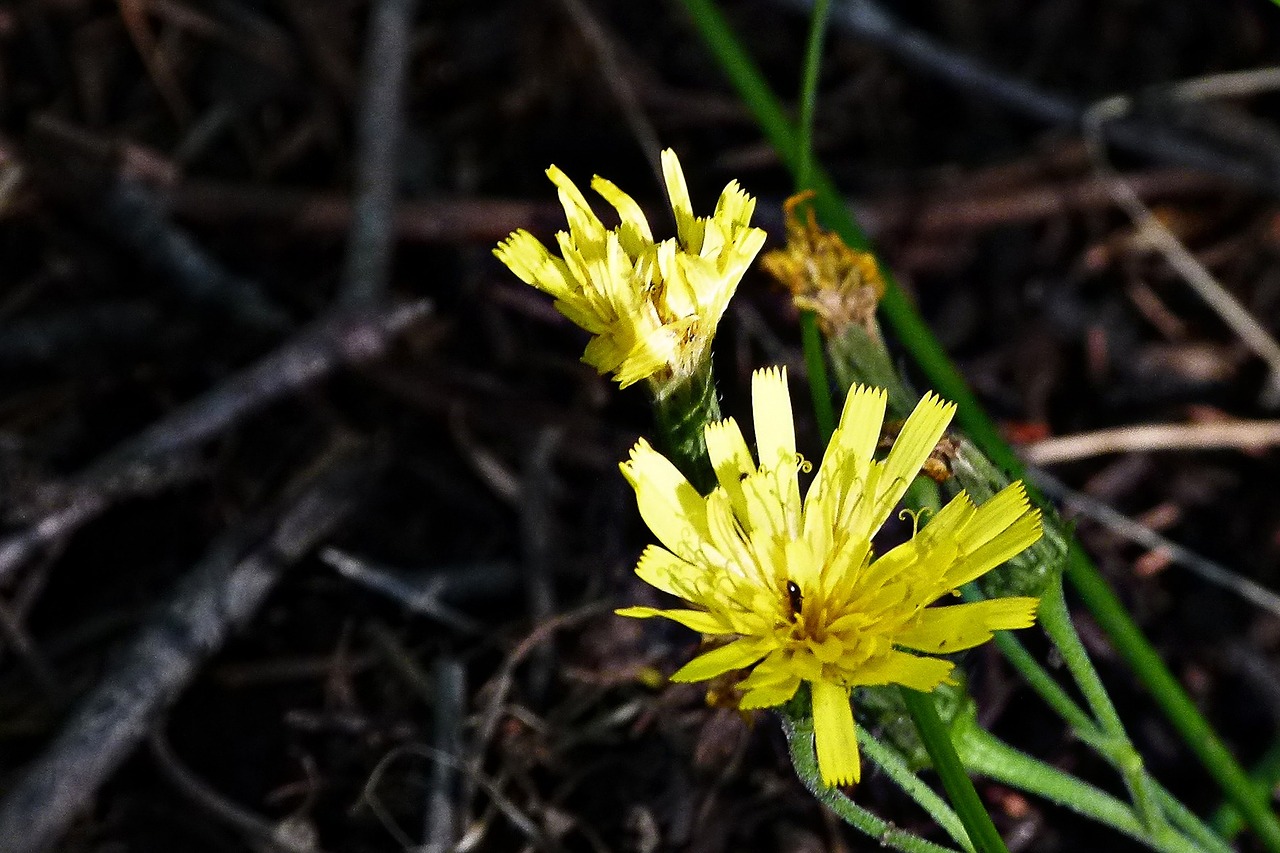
{"type": "Point", "coordinates": [834, 736]}
{"type": "Point", "coordinates": [652, 350]}
{"type": "Point", "coordinates": [861, 420]}
{"type": "Point", "coordinates": [734, 207]}
{"type": "Point", "coordinates": [775, 669]}
{"type": "Point", "coordinates": [776, 438]}
{"type": "Point", "coordinates": [580, 310]}
{"type": "Point", "coordinates": [737, 655]}
{"type": "Point", "coordinates": [774, 423]}
{"type": "Point", "coordinates": [729, 538]}
{"type": "Point", "coordinates": [730, 458]}
{"type": "Point", "coordinates": [534, 264]}
{"type": "Point", "coordinates": [767, 697]}
{"type": "Point", "coordinates": [584, 225]}
{"type": "Point", "coordinates": [895, 667]}
{"type": "Point", "coordinates": [847, 459]}
{"type": "Point", "coordinates": [1017, 537]}
{"type": "Point", "coordinates": [698, 620]}
{"type": "Point", "coordinates": [948, 522]}
{"type": "Point", "coordinates": [846, 564]}
{"type": "Point", "coordinates": [663, 570]}
{"type": "Point", "coordinates": [672, 508]}
{"type": "Point", "coordinates": [943, 630]}
{"type": "Point", "coordinates": [995, 515]}
{"type": "Point", "coordinates": [803, 565]}
{"type": "Point", "coordinates": [679, 296]}
{"type": "Point", "coordinates": [604, 352]}
{"type": "Point", "coordinates": [628, 211]}
{"type": "Point", "coordinates": [681, 206]}
{"type": "Point", "coordinates": [766, 513]}
{"type": "Point", "coordinates": [918, 438]}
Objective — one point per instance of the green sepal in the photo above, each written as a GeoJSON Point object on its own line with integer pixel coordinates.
{"type": "Point", "coordinates": [1030, 572]}
{"type": "Point", "coordinates": [860, 358]}
{"type": "Point", "coordinates": [682, 408]}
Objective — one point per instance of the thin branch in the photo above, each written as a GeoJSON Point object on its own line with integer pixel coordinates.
{"type": "Point", "coordinates": [1225, 435]}
{"type": "Point", "coordinates": [1206, 569]}
{"type": "Point", "coordinates": [97, 177]}
{"type": "Point", "coordinates": [131, 214]}
{"type": "Point", "coordinates": [220, 593]}
{"type": "Point", "coordinates": [616, 77]}
{"type": "Point", "coordinates": [444, 799]}
{"type": "Point", "coordinates": [345, 337]}
{"type": "Point", "coordinates": [286, 836]}
{"type": "Point", "coordinates": [381, 120]}
{"type": "Point", "coordinates": [538, 552]}
{"type": "Point", "coordinates": [305, 213]}
{"type": "Point", "coordinates": [870, 22]}
{"type": "Point", "coordinates": [428, 594]}
{"type": "Point", "coordinates": [1108, 113]}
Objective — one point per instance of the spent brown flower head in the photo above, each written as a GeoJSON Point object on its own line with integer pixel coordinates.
{"type": "Point", "coordinates": [840, 284]}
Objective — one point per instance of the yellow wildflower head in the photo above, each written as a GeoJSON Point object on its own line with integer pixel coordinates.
{"type": "Point", "coordinates": [839, 284]}
{"type": "Point", "coordinates": [795, 586]}
{"type": "Point", "coordinates": [652, 307]}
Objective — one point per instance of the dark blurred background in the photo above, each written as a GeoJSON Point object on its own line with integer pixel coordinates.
{"type": "Point", "coordinates": [311, 519]}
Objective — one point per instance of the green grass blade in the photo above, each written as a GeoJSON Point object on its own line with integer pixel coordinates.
{"type": "Point", "coordinates": [946, 380]}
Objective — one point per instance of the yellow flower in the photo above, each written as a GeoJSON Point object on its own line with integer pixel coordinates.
{"type": "Point", "coordinates": [796, 588]}
{"type": "Point", "coordinates": [652, 307]}
{"type": "Point", "coordinates": [841, 285]}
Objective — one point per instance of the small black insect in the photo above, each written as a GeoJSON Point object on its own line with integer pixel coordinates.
{"type": "Point", "coordinates": [795, 598]}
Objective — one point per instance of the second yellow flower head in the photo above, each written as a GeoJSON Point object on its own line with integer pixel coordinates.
{"type": "Point", "coordinates": [652, 307]}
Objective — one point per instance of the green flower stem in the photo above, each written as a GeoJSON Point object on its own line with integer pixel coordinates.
{"type": "Point", "coordinates": [942, 374]}
{"type": "Point", "coordinates": [681, 411]}
{"type": "Point", "coordinates": [1266, 775]}
{"type": "Point", "coordinates": [956, 782]}
{"type": "Point", "coordinates": [856, 357]}
{"type": "Point", "coordinates": [1056, 621]}
{"type": "Point", "coordinates": [895, 767]}
{"type": "Point", "coordinates": [1178, 707]}
{"type": "Point", "coordinates": [1039, 679]}
{"type": "Point", "coordinates": [1189, 824]}
{"type": "Point", "coordinates": [797, 725]}
{"type": "Point", "coordinates": [1051, 692]}
{"type": "Point", "coordinates": [819, 385]}
{"type": "Point", "coordinates": [985, 754]}
{"type": "Point", "coordinates": [1114, 749]}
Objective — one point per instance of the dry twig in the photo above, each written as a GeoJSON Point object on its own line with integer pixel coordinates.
{"type": "Point", "coordinates": [457, 220]}
{"type": "Point", "coordinates": [869, 21]}
{"type": "Point", "coordinates": [381, 120]}
{"type": "Point", "coordinates": [1237, 435]}
{"type": "Point", "coordinates": [346, 337]}
{"type": "Point", "coordinates": [618, 80]}
{"type": "Point", "coordinates": [132, 216]}
{"type": "Point", "coordinates": [1214, 573]}
{"type": "Point", "coordinates": [287, 836]}
{"type": "Point", "coordinates": [537, 531]}
{"type": "Point", "coordinates": [428, 595]}
{"type": "Point", "coordinates": [1108, 113]}
{"type": "Point", "coordinates": [444, 799]}
{"type": "Point", "coordinates": [221, 593]}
